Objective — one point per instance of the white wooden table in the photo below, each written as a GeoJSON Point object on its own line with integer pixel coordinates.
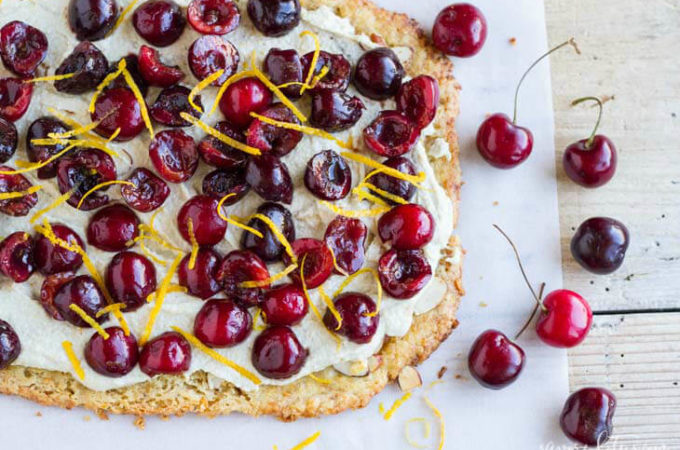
{"type": "Point", "coordinates": [631, 51]}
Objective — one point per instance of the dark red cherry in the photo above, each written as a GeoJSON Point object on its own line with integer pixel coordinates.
{"type": "Point", "coordinates": [90, 66]}
{"type": "Point", "coordinates": [502, 143]}
{"type": "Point", "coordinates": [159, 22]}
{"type": "Point", "coordinates": [201, 281]}
{"type": "Point", "coordinates": [118, 108]}
{"type": "Point", "coordinates": [494, 360]}
{"type": "Point", "coordinates": [15, 97]}
{"type": "Point", "coordinates": [391, 134]}
{"type": "Point", "coordinates": [270, 138]}
{"type": "Point", "coordinates": [8, 140]}
{"type": "Point", "coordinates": [148, 193]}
{"type": "Point", "coordinates": [564, 319]}
{"type": "Point", "coordinates": [339, 71]}
{"type": "Point", "coordinates": [395, 186]}
{"type": "Point", "coordinates": [154, 71]}
{"type": "Point", "coordinates": [51, 258]}
{"type": "Point", "coordinates": [83, 292]}
{"type": "Point", "coordinates": [22, 47]}
{"type": "Point", "coordinates": [590, 162]}
{"type": "Point", "coordinates": [284, 305]}
{"type": "Point", "coordinates": [113, 357]}
{"type": "Point", "coordinates": [404, 273]}
{"type": "Point", "coordinates": [335, 111]}
{"type": "Point", "coordinates": [171, 103]}
{"type": "Point", "coordinates": [268, 247]}
{"type": "Point", "coordinates": [112, 228]}
{"type": "Point", "coordinates": [213, 16]}
{"type": "Point", "coordinates": [49, 289]}
{"type": "Point", "coordinates": [174, 155]}
{"type": "Point", "coordinates": [318, 264]}
{"type": "Point", "coordinates": [587, 416]}
{"type": "Point", "coordinates": [169, 353]}
{"type": "Point", "coordinates": [240, 266]}
{"type": "Point", "coordinates": [243, 97]}
{"type": "Point", "coordinates": [600, 244]}
{"type": "Point", "coordinates": [222, 323]}
{"type": "Point", "coordinates": [378, 74]}
{"type": "Point", "coordinates": [274, 17]}
{"type": "Point", "coordinates": [328, 176]}
{"type": "Point", "coordinates": [277, 353]}
{"type": "Point", "coordinates": [269, 178]}
{"type": "Point", "coordinates": [224, 182]}
{"type": "Point", "coordinates": [459, 30]}
{"type": "Point", "coordinates": [282, 67]}
{"type": "Point", "coordinates": [208, 226]}
{"type": "Point", "coordinates": [83, 171]}
{"type": "Point", "coordinates": [40, 129]}
{"type": "Point", "coordinates": [92, 20]}
{"type": "Point", "coordinates": [132, 65]}
{"type": "Point", "coordinates": [130, 278]}
{"type": "Point", "coordinates": [17, 253]}
{"type": "Point", "coordinates": [10, 346]}
{"type": "Point", "coordinates": [418, 98]}
{"type": "Point", "coordinates": [208, 54]}
{"type": "Point", "coordinates": [354, 309]}
{"type": "Point", "coordinates": [20, 206]}
{"type": "Point", "coordinates": [346, 238]}
{"type": "Point", "coordinates": [218, 154]}
{"type": "Point", "coordinates": [407, 227]}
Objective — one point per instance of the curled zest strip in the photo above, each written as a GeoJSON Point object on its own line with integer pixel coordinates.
{"type": "Point", "coordinates": [220, 136]}
{"type": "Point", "coordinates": [234, 222]}
{"type": "Point", "coordinates": [413, 179]}
{"type": "Point", "coordinates": [172, 288]}
{"type": "Point", "coordinates": [105, 82]}
{"type": "Point", "coordinates": [231, 80]}
{"type": "Point", "coordinates": [307, 441]}
{"type": "Point", "coordinates": [202, 85]}
{"type": "Point", "coordinates": [65, 76]}
{"type": "Point", "coordinates": [19, 194]}
{"type": "Point", "coordinates": [303, 129]}
{"type": "Point", "coordinates": [335, 263]}
{"type": "Point", "coordinates": [109, 308]}
{"type": "Point", "coordinates": [279, 235]}
{"type": "Point", "coordinates": [275, 90]}
{"type": "Point", "coordinates": [122, 16]}
{"type": "Point", "coordinates": [312, 306]}
{"type": "Point", "coordinates": [89, 320]}
{"type": "Point", "coordinates": [58, 201]}
{"type": "Point", "coordinates": [100, 186]}
{"type": "Point", "coordinates": [397, 403]}
{"type": "Point", "coordinates": [33, 166]}
{"type": "Point", "coordinates": [194, 245]}
{"type": "Point", "coordinates": [407, 431]}
{"type": "Point", "coordinates": [331, 307]}
{"type": "Point", "coordinates": [140, 99]}
{"type": "Point", "coordinates": [149, 254]}
{"type": "Point", "coordinates": [387, 195]}
{"type": "Point", "coordinates": [320, 380]}
{"type": "Point", "coordinates": [160, 298]}
{"type": "Point", "coordinates": [270, 280]}
{"type": "Point", "coordinates": [351, 278]}
{"type": "Point", "coordinates": [356, 213]}
{"type": "Point", "coordinates": [256, 318]}
{"type": "Point", "coordinates": [363, 195]}
{"type": "Point", "coordinates": [83, 129]}
{"type": "Point", "coordinates": [442, 431]}
{"type": "Point", "coordinates": [315, 59]}
{"type": "Point", "coordinates": [70, 354]}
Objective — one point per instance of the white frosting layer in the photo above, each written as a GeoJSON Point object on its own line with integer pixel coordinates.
{"type": "Point", "coordinates": [41, 336]}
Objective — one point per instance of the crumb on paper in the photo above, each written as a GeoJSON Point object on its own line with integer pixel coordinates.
{"type": "Point", "coordinates": [460, 377]}
{"type": "Point", "coordinates": [38, 414]}
{"type": "Point", "coordinates": [140, 422]}
{"type": "Point", "coordinates": [441, 372]}
{"type": "Point", "coordinates": [164, 418]}
{"type": "Point", "coordinates": [483, 304]}
{"type": "Point", "coordinates": [102, 415]}
{"type": "Point", "coordinates": [496, 203]}
{"type": "Point", "coordinates": [607, 98]}
{"type": "Point", "coordinates": [459, 286]}
{"type": "Point", "coordinates": [513, 41]}
{"type": "Point", "coordinates": [87, 418]}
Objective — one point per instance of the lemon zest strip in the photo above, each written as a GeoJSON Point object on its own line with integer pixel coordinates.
{"type": "Point", "coordinates": [91, 142]}
{"type": "Point", "coordinates": [363, 195]}
{"type": "Point", "coordinates": [202, 85]}
{"type": "Point", "coordinates": [70, 354]}
{"type": "Point", "coordinates": [413, 179]}
{"type": "Point", "coordinates": [397, 403]}
{"type": "Point", "coordinates": [102, 185]}
{"type": "Point", "coordinates": [313, 307]}
{"type": "Point", "coordinates": [231, 80]}
{"type": "Point", "coordinates": [171, 289]}
{"type": "Point", "coordinates": [307, 441]}
{"type": "Point", "coordinates": [83, 129]}
{"type": "Point", "coordinates": [320, 380]}
{"type": "Point", "coordinates": [315, 59]}
{"type": "Point", "coordinates": [278, 234]}
{"type": "Point", "coordinates": [194, 245]}
{"type": "Point", "coordinates": [331, 307]}
{"type": "Point", "coordinates": [271, 280]}
{"type": "Point", "coordinates": [351, 278]}
{"type": "Point", "coordinates": [355, 213]}
{"type": "Point", "coordinates": [109, 308]}
{"type": "Point", "coordinates": [149, 254]}
{"type": "Point", "coordinates": [387, 195]}
{"type": "Point", "coordinates": [259, 314]}
{"type": "Point", "coordinates": [105, 82]}
{"type": "Point", "coordinates": [32, 166]}
{"type": "Point", "coordinates": [302, 129]}
{"type": "Point", "coordinates": [65, 76]}
{"type": "Point", "coordinates": [89, 320]}
{"type": "Point", "coordinates": [442, 431]}
{"type": "Point", "coordinates": [220, 136]}
{"type": "Point", "coordinates": [335, 262]}
{"type": "Point", "coordinates": [160, 298]}
{"type": "Point", "coordinates": [121, 18]}
{"type": "Point", "coordinates": [19, 194]}
{"type": "Point", "coordinates": [140, 99]}
{"type": "Point", "coordinates": [234, 222]}
{"type": "Point", "coordinates": [276, 91]}
{"type": "Point", "coordinates": [56, 203]}
{"type": "Point", "coordinates": [407, 431]}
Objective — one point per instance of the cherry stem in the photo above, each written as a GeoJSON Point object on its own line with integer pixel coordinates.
{"type": "Point", "coordinates": [571, 42]}
{"type": "Point", "coordinates": [533, 313]}
{"type": "Point", "coordinates": [599, 116]}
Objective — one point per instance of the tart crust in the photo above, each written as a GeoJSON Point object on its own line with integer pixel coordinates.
{"type": "Point", "coordinates": [177, 395]}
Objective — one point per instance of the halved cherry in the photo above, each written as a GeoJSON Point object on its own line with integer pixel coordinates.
{"type": "Point", "coordinates": [222, 323]}
{"type": "Point", "coordinates": [20, 206]}
{"type": "Point", "coordinates": [49, 289]}
{"type": "Point", "coordinates": [268, 247]}
{"type": "Point", "coordinates": [213, 16]}
{"type": "Point", "coordinates": [201, 281]}
{"type": "Point", "coordinates": [10, 346]}
{"type": "Point", "coordinates": [208, 226]}
{"type": "Point", "coordinates": [284, 305]}
{"type": "Point", "coordinates": [328, 176]}
{"type": "Point", "coordinates": [51, 258]}
{"type": "Point", "coordinates": [391, 134]}
{"type": "Point", "coordinates": [40, 129]}
{"type": "Point", "coordinates": [22, 47]}
{"type": "Point", "coordinates": [83, 171]}
{"type": "Point", "coordinates": [169, 353]}
{"type": "Point", "coordinates": [130, 278]}
{"type": "Point", "coordinates": [8, 140]}
{"type": "Point", "coordinates": [395, 186]}
{"type": "Point", "coordinates": [318, 261]}
{"type": "Point", "coordinates": [15, 97]}
{"type": "Point", "coordinates": [354, 309]}
{"type": "Point", "coordinates": [132, 64]}
{"type": "Point", "coordinates": [406, 227]}
{"type": "Point", "coordinates": [404, 273]}
{"type": "Point", "coordinates": [148, 193]}
{"type": "Point", "coordinates": [159, 22]}
{"type": "Point", "coordinates": [112, 228]}
{"type": "Point", "coordinates": [113, 357]}
{"type": "Point", "coordinates": [284, 66]}
{"type": "Point", "coordinates": [346, 238]}
{"type": "Point", "coordinates": [208, 54]}
{"type": "Point", "coordinates": [339, 71]}
{"type": "Point", "coordinates": [269, 178]}
{"type": "Point", "coordinates": [89, 65]}
{"type": "Point", "coordinates": [278, 353]}
{"type": "Point", "coordinates": [335, 111]}
{"type": "Point", "coordinates": [174, 155]}
{"type": "Point", "coordinates": [245, 96]}
{"type": "Point", "coordinates": [118, 108]}
{"type": "Point", "coordinates": [154, 71]}
{"type": "Point", "coordinates": [418, 98]}
{"type": "Point", "coordinates": [83, 292]}
{"type": "Point", "coordinates": [224, 182]}
{"type": "Point", "coordinates": [270, 138]}
{"type": "Point", "coordinates": [92, 20]}
{"type": "Point", "coordinates": [240, 266]}
{"type": "Point", "coordinates": [171, 103]}
{"type": "Point", "coordinates": [17, 253]}
{"type": "Point", "coordinates": [218, 154]}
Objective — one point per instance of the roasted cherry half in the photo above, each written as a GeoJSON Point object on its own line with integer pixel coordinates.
{"type": "Point", "coordinates": [218, 154]}
{"type": "Point", "coordinates": [391, 134]}
{"type": "Point", "coordinates": [154, 71]}
{"type": "Point", "coordinates": [19, 206]}
{"type": "Point", "coordinates": [51, 258]}
{"type": "Point", "coordinates": [222, 323]}
{"type": "Point", "coordinates": [171, 103]}
{"type": "Point", "coordinates": [359, 318]}
{"type": "Point", "coordinates": [268, 247]}
{"type": "Point", "coordinates": [130, 278]}
{"type": "Point", "coordinates": [40, 129]}
{"type": "Point", "coordinates": [207, 226]}
{"type": "Point", "coordinates": [17, 253]}
{"type": "Point", "coordinates": [220, 183]}
{"type": "Point", "coordinates": [378, 74]}
{"type": "Point", "coordinates": [49, 289]}
{"type": "Point", "coordinates": [112, 228]}
{"type": "Point", "coordinates": [460, 30]}
{"type": "Point", "coordinates": [118, 108]}
{"type": "Point", "coordinates": [208, 54]}
{"type": "Point", "coordinates": [587, 416]}
{"type": "Point", "coordinates": [404, 273]}
{"type": "Point", "coordinates": [395, 186]}
{"type": "Point", "coordinates": [600, 244]}
{"type": "Point", "coordinates": [274, 17]}
{"type": "Point", "coordinates": [269, 178]}
{"type": "Point", "coordinates": [83, 171]}
{"type": "Point", "coordinates": [92, 20]}
{"type": "Point", "coordinates": [174, 155]}
{"type": "Point", "coordinates": [238, 267]}
{"type": "Point", "coordinates": [494, 360]}
{"type": "Point", "coordinates": [284, 305]}
{"type": "Point", "coordinates": [213, 16]}
{"type": "Point", "coordinates": [148, 193]}
{"type": "Point", "coordinates": [83, 292]}
{"type": "Point", "coordinates": [318, 262]}
{"type": "Point", "coordinates": [328, 176]}
{"type": "Point", "coordinates": [200, 281]}
{"type": "Point", "coordinates": [10, 346]}
{"type": "Point", "coordinates": [346, 238]}
{"type": "Point", "coordinates": [273, 139]}
{"type": "Point", "coordinates": [282, 67]}
{"type": "Point", "coordinates": [564, 320]}
{"type": "Point", "coordinates": [22, 48]}
{"type": "Point", "coordinates": [8, 140]}
{"type": "Point", "coordinates": [407, 227]}
{"type": "Point", "coordinates": [242, 98]}
{"type": "Point", "coordinates": [159, 22]}
{"type": "Point", "coordinates": [418, 98]}
{"type": "Point", "coordinates": [89, 65]}
{"type": "Point", "coordinates": [113, 357]}
{"type": "Point", "coordinates": [169, 353]}
{"type": "Point", "coordinates": [335, 111]}
{"type": "Point", "coordinates": [339, 71]}
{"type": "Point", "coordinates": [277, 353]}
{"type": "Point", "coordinates": [15, 97]}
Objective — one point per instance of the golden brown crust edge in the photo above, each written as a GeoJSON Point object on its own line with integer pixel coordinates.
{"type": "Point", "coordinates": [174, 395]}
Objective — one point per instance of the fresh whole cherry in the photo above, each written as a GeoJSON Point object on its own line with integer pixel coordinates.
{"type": "Point", "coordinates": [17, 253]}
{"type": "Point", "coordinates": [83, 292]}
{"type": "Point", "coordinates": [378, 74]}
{"type": "Point", "coordinates": [600, 244]}
{"type": "Point", "coordinates": [274, 18]}
{"type": "Point", "coordinates": [10, 345]}
{"type": "Point", "coordinates": [118, 108]}
{"type": "Point", "coordinates": [213, 16]}
{"type": "Point", "coordinates": [284, 305]}
{"type": "Point", "coordinates": [359, 321]}
{"type": "Point", "coordinates": [243, 97]}
{"type": "Point", "coordinates": [113, 228]}
{"type": "Point", "coordinates": [564, 319]}
{"type": "Point", "coordinates": [201, 280]}
{"type": "Point", "coordinates": [494, 360]}
{"type": "Point", "coordinates": [587, 416]}
{"type": "Point", "coordinates": [270, 179]}
{"type": "Point", "coordinates": [169, 353]}
{"type": "Point", "coordinates": [460, 30]}
{"type": "Point", "coordinates": [406, 227]}
{"type": "Point", "coordinates": [240, 266]}
{"type": "Point", "coordinates": [51, 258]}
{"type": "Point", "coordinates": [92, 20]}
{"type": "Point", "coordinates": [130, 278]}
{"type": "Point", "coordinates": [22, 48]}
{"type": "Point", "coordinates": [89, 65]}
{"type": "Point", "coordinates": [222, 323]}
{"type": "Point", "coordinates": [159, 22]}
{"type": "Point", "coordinates": [113, 357]}
{"type": "Point", "coordinates": [207, 226]}
{"type": "Point", "coordinates": [277, 353]}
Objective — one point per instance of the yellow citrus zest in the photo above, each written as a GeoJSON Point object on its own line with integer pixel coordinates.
{"type": "Point", "coordinates": [160, 298]}
{"type": "Point", "coordinates": [320, 380]}
{"type": "Point", "coordinates": [276, 91]}
{"type": "Point", "coordinates": [378, 286]}
{"type": "Point", "coordinates": [413, 179]}
{"type": "Point", "coordinates": [315, 59]}
{"type": "Point", "coordinates": [19, 194]}
{"type": "Point", "coordinates": [220, 136]}
{"type": "Point", "coordinates": [150, 255]}
{"type": "Point", "coordinates": [277, 233]}
{"type": "Point", "coordinates": [232, 221]}
{"type": "Point", "coordinates": [231, 80]}
{"type": "Point", "coordinates": [271, 280]}
{"type": "Point", "coordinates": [28, 166]}
{"type": "Point", "coordinates": [83, 129]}
{"type": "Point", "coordinates": [335, 262]}
{"type": "Point", "coordinates": [172, 288]}
{"type": "Point", "coordinates": [397, 403]}
{"type": "Point", "coordinates": [442, 431]}
{"type": "Point", "coordinates": [89, 320]}
{"type": "Point", "coordinates": [387, 195]}
{"type": "Point", "coordinates": [302, 129]}
{"type": "Point", "coordinates": [259, 314]}
{"type": "Point", "coordinates": [105, 82]}
{"type": "Point", "coordinates": [65, 76]}
{"type": "Point", "coordinates": [307, 441]}
{"type": "Point", "coordinates": [109, 308]}
{"type": "Point", "coordinates": [363, 195]}
{"type": "Point", "coordinates": [426, 431]}
{"type": "Point", "coordinates": [355, 213]}
{"type": "Point", "coordinates": [313, 307]}
{"type": "Point", "coordinates": [58, 201]}
{"type": "Point", "coordinates": [140, 99]}
{"type": "Point", "coordinates": [194, 245]}
{"type": "Point", "coordinates": [102, 185]}
{"type": "Point", "coordinates": [122, 16]}
{"type": "Point", "coordinates": [331, 307]}
{"type": "Point", "coordinates": [70, 354]}
{"type": "Point", "coordinates": [202, 85]}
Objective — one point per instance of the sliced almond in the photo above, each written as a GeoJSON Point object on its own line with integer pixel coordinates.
{"type": "Point", "coordinates": [409, 379]}
{"type": "Point", "coordinates": [374, 363]}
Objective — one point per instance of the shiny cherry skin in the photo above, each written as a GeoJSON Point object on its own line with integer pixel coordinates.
{"type": "Point", "coordinates": [268, 246]}
{"type": "Point", "coordinates": [277, 353]}
{"type": "Point", "coordinates": [222, 323]}
{"type": "Point", "coordinates": [154, 71]}
{"type": "Point", "coordinates": [218, 154]}
{"type": "Point", "coordinates": [354, 309]}
{"type": "Point", "coordinates": [328, 176]}
{"type": "Point", "coordinates": [159, 22]}
{"type": "Point", "coordinates": [564, 320]}
{"type": "Point", "coordinates": [318, 262]}
{"type": "Point", "coordinates": [118, 108]}
{"type": "Point", "coordinates": [174, 155]}
{"type": "Point", "coordinates": [407, 227]}
{"type": "Point", "coordinates": [19, 206]}
{"type": "Point", "coordinates": [201, 281]}
{"type": "Point", "coordinates": [243, 97]}
{"type": "Point", "coordinates": [51, 258]}
{"type": "Point", "coordinates": [404, 273]}
{"type": "Point", "coordinates": [83, 292]}
{"type": "Point", "coordinates": [284, 66]}
{"type": "Point", "coordinates": [335, 111]}
{"type": "Point", "coordinates": [208, 227]}
{"type": "Point", "coordinates": [284, 305]}
{"type": "Point", "coordinates": [270, 179]}
{"type": "Point", "coordinates": [274, 17]}
{"type": "Point", "coordinates": [50, 286]}
{"type": "Point", "coordinates": [111, 229]}
{"type": "Point", "coordinates": [22, 48]}
{"type": "Point", "coordinates": [418, 99]}
{"type": "Point", "coordinates": [460, 30]}
{"type": "Point", "coordinates": [391, 134]}
{"type": "Point", "coordinates": [502, 143]}
{"type": "Point", "coordinates": [15, 97]}
{"type": "Point", "coordinates": [339, 71]}
{"type": "Point", "coordinates": [494, 360]}
{"type": "Point", "coordinates": [213, 16]}
{"type": "Point", "coordinates": [346, 238]}
{"type": "Point", "coordinates": [92, 20]}
{"type": "Point", "coordinates": [166, 354]}
{"type": "Point", "coordinates": [240, 266]}
{"type": "Point", "coordinates": [9, 138]}
{"type": "Point", "coordinates": [208, 54]}
{"type": "Point", "coordinates": [587, 416]}
{"type": "Point", "coordinates": [378, 74]}
{"type": "Point", "coordinates": [83, 171]}
{"type": "Point", "coordinates": [589, 163]}
{"type": "Point", "coordinates": [171, 103]}
{"type": "Point", "coordinates": [273, 139]}
{"type": "Point", "coordinates": [148, 193]}
{"type": "Point", "coordinates": [395, 186]}
{"type": "Point", "coordinates": [113, 357]}
{"type": "Point", "coordinates": [132, 65]}
{"type": "Point", "coordinates": [40, 129]}
{"type": "Point", "coordinates": [600, 244]}
{"type": "Point", "coordinates": [130, 278]}
{"type": "Point", "coordinates": [10, 345]}
{"type": "Point", "coordinates": [90, 66]}
{"type": "Point", "coordinates": [17, 256]}
{"type": "Point", "coordinates": [220, 183]}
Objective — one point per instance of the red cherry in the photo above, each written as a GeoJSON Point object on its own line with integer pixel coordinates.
{"type": "Point", "coordinates": [154, 71]}
{"type": "Point", "coordinates": [9, 138]}
{"type": "Point", "coordinates": [391, 134]}
{"type": "Point", "coordinates": [418, 99]}
{"type": "Point", "coordinates": [112, 228]}
{"type": "Point", "coordinates": [346, 238]}
{"type": "Point", "coordinates": [174, 155]}
{"type": "Point", "coordinates": [404, 273]}
{"type": "Point", "coordinates": [338, 75]}
{"type": "Point", "coordinates": [92, 20]}
{"type": "Point", "coordinates": [318, 260]}
{"type": "Point", "coordinates": [274, 17]}
{"type": "Point", "coordinates": [564, 320]}
{"type": "Point", "coordinates": [222, 323]}
{"type": "Point", "coordinates": [82, 171]}
{"type": "Point", "coordinates": [130, 278]}
{"type": "Point", "coordinates": [49, 289]}
{"type": "Point", "coordinates": [10, 346]}
{"type": "Point", "coordinates": [268, 247]}
{"type": "Point", "coordinates": [460, 30]}
{"type": "Point", "coordinates": [208, 227]}
{"type": "Point", "coordinates": [118, 108]}
{"type": "Point", "coordinates": [284, 66]}
{"type": "Point", "coordinates": [159, 22]}
{"type": "Point", "coordinates": [20, 206]}
{"type": "Point", "coordinates": [148, 193]}
{"type": "Point", "coordinates": [22, 47]}
{"type": "Point", "coordinates": [270, 179]}
{"type": "Point", "coordinates": [277, 353]}
{"type": "Point", "coordinates": [17, 253]}
{"type": "Point", "coordinates": [494, 360]}
{"type": "Point", "coordinates": [89, 65]}
{"type": "Point", "coordinates": [328, 176]}
{"type": "Point", "coordinates": [220, 183]}
{"type": "Point", "coordinates": [354, 309]}
{"type": "Point", "coordinates": [213, 16]}
{"type": "Point", "coordinates": [378, 74]}
{"type": "Point", "coordinates": [201, 281]}
{"type": "Point", "coordinates": [208, 54]}
{"type": "Point", "coordinates": [407, 227]}
{"type": "Point", "coordinates": [600, 244]}
{"type": "Point", "coordinates": [270, 138]}
{"type": "Point", "coordinates": [113, 357]}
{"type": "Point", "coordinates": [15, 96]}
{"type": "Point", "coordinates": [239, 266]}
{"type": "Point", "coordinates": [218, 154]}
{"type": "Point", "coordinates": [169, 353]}
{"type": "Point", "coordinates": [284, 305]}
{"type": "Point", "coordinates": [502, 143]}
{"type": "Point", "coordinates": [587, 416]}
{"type": "Point", "coordinates": [51, 258]}
{"type": "Point", "coordinates": [40, 129]}
{"type": "Point", "coordinates": [243, 97]}
{"type": "Point", "coordinates": [171, 103]}
{"type": "Point", "coordinates": [83, 292]}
